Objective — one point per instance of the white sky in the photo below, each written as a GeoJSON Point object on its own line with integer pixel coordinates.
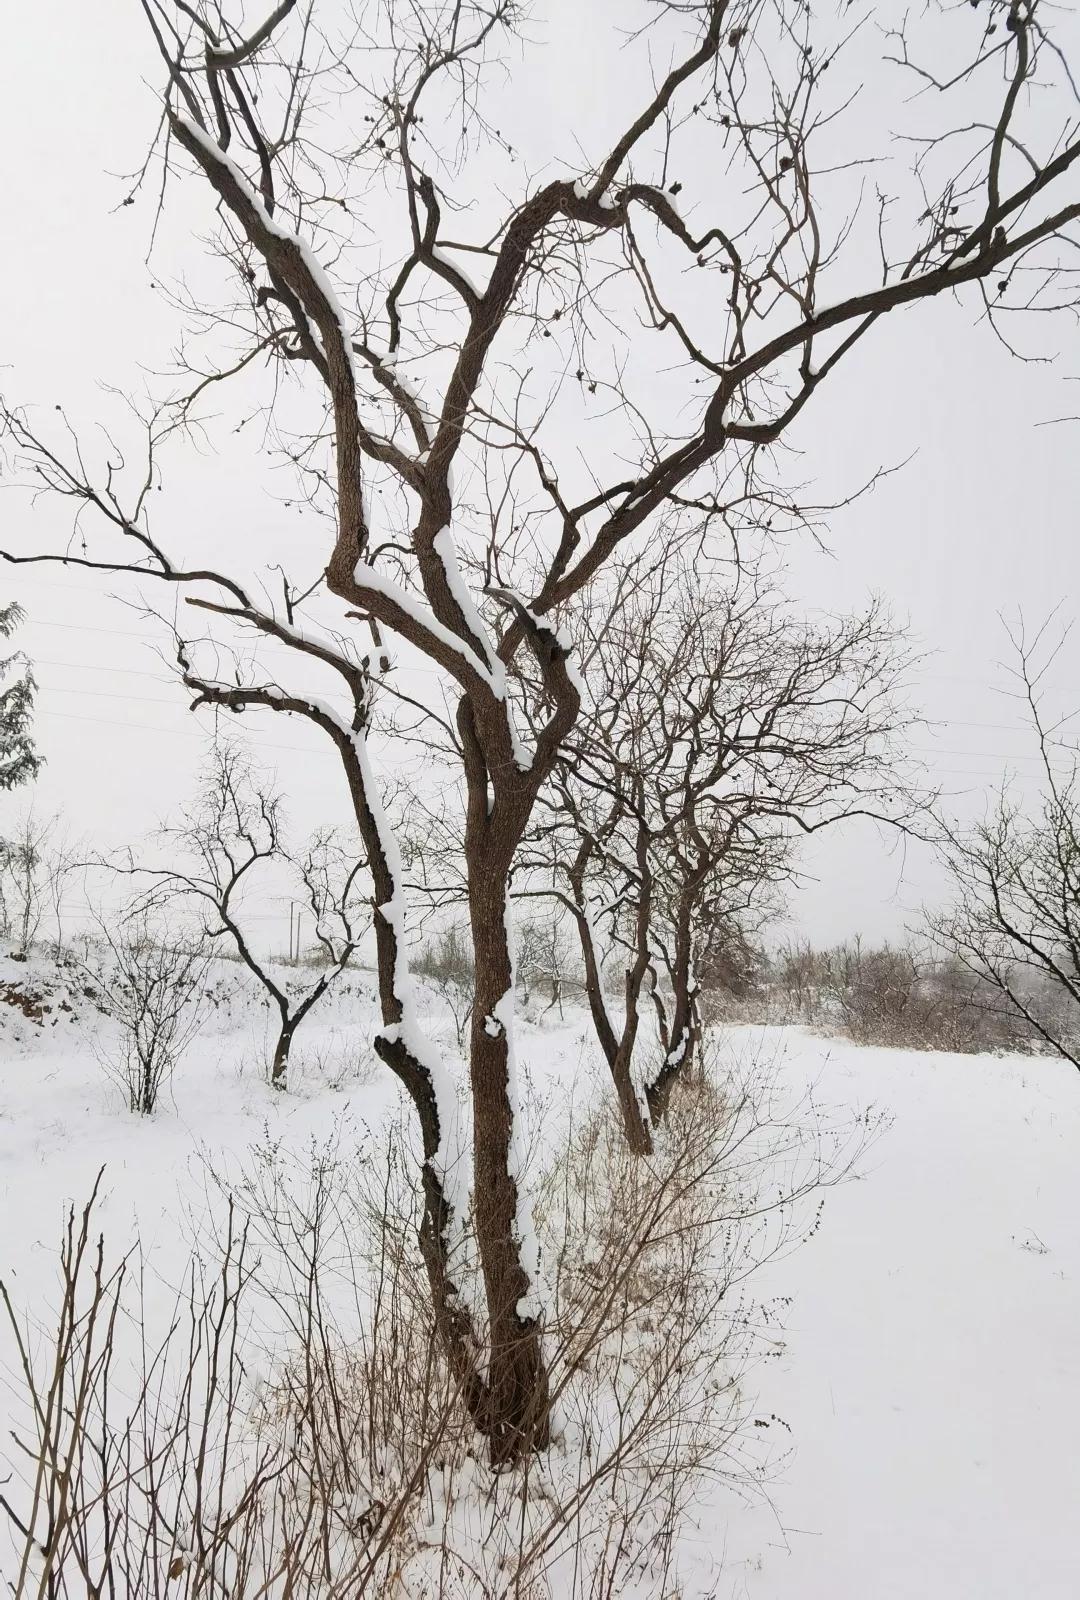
{"type": "Point", "coordinates": [981, 520]}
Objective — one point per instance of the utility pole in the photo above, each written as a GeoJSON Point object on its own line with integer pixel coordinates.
{"type": "Point", "coordinates": [296, 917]}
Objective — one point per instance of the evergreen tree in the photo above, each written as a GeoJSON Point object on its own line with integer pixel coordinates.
{"type": "Point", "coordinates": [19, 760]}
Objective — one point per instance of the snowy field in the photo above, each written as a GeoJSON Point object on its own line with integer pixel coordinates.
{"type": "Point", "coordinates": [928, 1374]}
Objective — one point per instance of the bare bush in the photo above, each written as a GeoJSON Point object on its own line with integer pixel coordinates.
{"type": "Point", "coordinates": [873, 992]}
{"type": "Point", "coordinates": [446, 962]}
{"type": "Point", "coordinates": [543, 959]}
{"type": "Point", "coordinates": [149, 987]}
{"type": "Point", "coordinates": [36, 864]}
{"type": "Point", "coordinates": [1015, 919]}
{"type": "Point", "coordinates": [795, 982]}
{"type": "Point", "coordinates": [891, 995]}
{"type": "Point", "coordinates": [214, 1473]}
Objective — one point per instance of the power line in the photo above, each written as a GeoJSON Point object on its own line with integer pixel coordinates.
{"type": "Point", "coordinates": [113, 694]}
{"type": "Point", "coordinates": [979, 755]}
{"type": "Point", "coordinates": [88, 666]}
{"type": "Point", "coordinates": [186, 733]}
{"type": "Point", "coordinates": [74, 588]}
{"type": "Point", "coordinates": [960, 722]}
{"type": "Point", "coordinates": [144, 672]}
{"type": "Point", "coordinates": [316, 748]}
{"type": "Point", "coordinates": [419, 671]}
{"type": "Point", "coordinates": [431, 672]}
{"type": "Point", "coordinates": [117, 694]}
{"type": "Point", "coordinates": [169, 700]}
{"type": "Point", "coordinates": [157, 677]}
{"type": "Point", "coordinates": [128, 633]}
{"type": "Point", "coordinates": [86, 627]}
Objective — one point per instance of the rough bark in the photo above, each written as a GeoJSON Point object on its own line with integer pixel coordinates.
{"type": "Point", "coordinates": [619, 1048]}
{"type": "Point", "coordinates": [681, 1033]}
{"type": "Point", "coordinates": [279, 1071]}
{"type": "Point", "coordinates": [516, 1374]}
{"type": "Point", "coordinates": [495, 820]}
{"type": "Point", "coordinates": [451, 1315]}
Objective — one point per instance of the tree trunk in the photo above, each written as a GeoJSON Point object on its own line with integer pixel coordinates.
{"type": "Point", "coordinates": [684, 1022]}
{"type": "Point", "coordinates": [517, 1376]}
{"type": "Point", "coordinates": [635, 1123]}
{"type": "Point", "coordinates": [618, 1050]}
{"type": "Point", "coordinates": [509, 1404]}
{"type": "Point", "coordinates": [279, 1072]}
{"type": "Point", "coordinates": [452, 1318]}
{"type": "Point", "coordinates": [594, 990]}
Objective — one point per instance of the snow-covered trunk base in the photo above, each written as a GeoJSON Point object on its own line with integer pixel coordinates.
{"type": "Point", "coordinates": [279, 1070]}
{"type": "Point", "coordinates": [396, 1047]}
{"type": "Point", "coordinates": [517, 1377]}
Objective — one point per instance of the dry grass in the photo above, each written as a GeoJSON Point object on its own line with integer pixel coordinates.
{"type": "Point", "coordinates": [294, 1430]}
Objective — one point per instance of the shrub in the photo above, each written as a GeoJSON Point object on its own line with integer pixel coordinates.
{"type": "Point", "coordinates": [149, 988]}
{"type": "Point", "coordinates": [446, 962]}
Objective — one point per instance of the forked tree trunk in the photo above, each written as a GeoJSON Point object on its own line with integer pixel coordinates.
{"type": "Point", "coordinates": [635, 1120]}
{"type": "Point", "coordinates": [636, 1125]}
{"type": "Point", "coordinates": [510, 1401]}
{"type": "Point", "coordinates": [618, 1048]}
{"type": "Point", "coordinates": [290, 1021]}
{"type": "Point", "coordinates": [594, 983]}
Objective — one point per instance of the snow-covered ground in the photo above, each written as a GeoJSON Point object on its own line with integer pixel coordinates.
{"type": "Point", "coordinates": [931, 1378]}
{"type": "Point", "coordinates": [929, 1372]}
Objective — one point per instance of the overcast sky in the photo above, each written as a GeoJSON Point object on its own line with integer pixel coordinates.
{"type": "Point", "coordinates": [981, 520]}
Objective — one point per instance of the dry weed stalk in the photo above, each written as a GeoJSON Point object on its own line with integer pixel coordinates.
{"type": "Point", "coordinates": [295, 1430]}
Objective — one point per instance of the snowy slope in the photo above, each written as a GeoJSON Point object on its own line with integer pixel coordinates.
{"type": "Point", "coordinates": [928, 1371]}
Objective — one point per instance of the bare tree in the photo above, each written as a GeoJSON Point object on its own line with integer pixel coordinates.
{"type": "Point", "coordinates": [874, 994]}
{"type": "Point", "coordinates": [718, 725]}
{"type": "Point", "coordinates": [234, 831]}
{"type": "Point", "coordinates": [799, 979]}
{"type": "Point", "coordinates": [36, 865]}
{"type": "Point", "coordinates": [733, 962]}
{"type": "Point", "coordinates": [444, 371]}
{"type": "Point", "coordinates": [542, 958]}
{"type": "Point", "coordinates": [1015, 920]}
{"type": "Point", "coordinates": [150, 987]}
{"type": "Point", "coordinates": [446, 961]}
